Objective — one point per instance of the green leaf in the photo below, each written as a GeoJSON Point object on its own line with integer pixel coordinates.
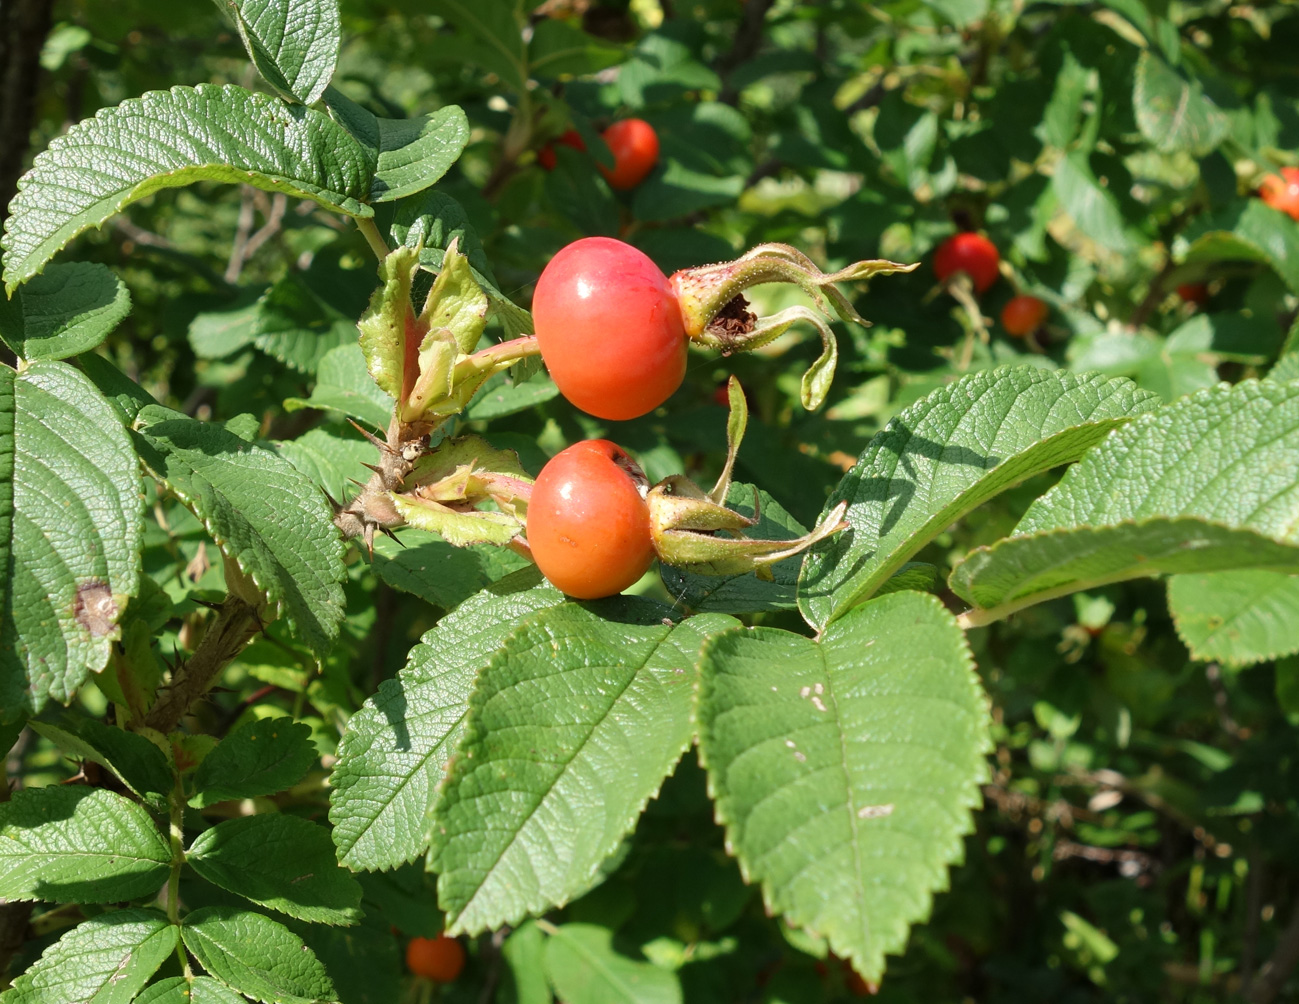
{"type": "Point", "coordinates": [73, 844]}
{"type": "Point", "coordinates": [845, 770]}
{"type": "Point", "coordinates": [499, 398]}
{"type": "Point", "coordinates": [412, 154]}
{"type": "Point", "coordinates": [524, 952]}
{"type": "Point", "coordinates": [1094, 209]}
{"type": "Point", "coordinates": [293, 43]}
{"type": "Point", "coordinates": [68, 310]}
{"type": "Point", "coordinates": [488, 35]}
{"type": "Point", "coordinates": [140, 764]}
{"type": "Point", "coordinates": [584, 969]}
{"type": "Point", "coordinates": [946, 454]}
{"type": "Point", "coordinates": [1248, 229]}
{"type": "Point", "coordinates": [415, 153]}
{"type": "Point", "coordinates": [104, 960]}
{"type": "Point", "coordinates": [395, 749]}
{"type": "Point", "coordinates": [216, 334]}
{"type": "Point", "coordinates": [256, 956]}
{"type": "Point", "coordinates": [1173, 112]}
{"type": "Point", "coordinates": [259, 758]}
{"type": "Point", "coordinates": [265, 516]}
{"type": "Point", "coordinates": [282, 862]}
{"type": "Point", "coordinates": [168, 139]}
{"type": "Point", "coordinates": [430, 223]}
{"type": "Point", "coordinates": [743, 594]}
{"type": "Point", "coordinates": [575, 712]}
{"type": "Point", "coordinates": [178, 990]}
{"type": "Point", "coordinates": [559, 49]}
{"type": "Point", "coordinates": [296, 327]}
{"type": "Point", "coordinates": [329, 460]}
{"type": "Point", "coordinates": [1063, 114]}
{"type": "Point", "coordinates": [426, 565]}
{"type": "Point", "coordinates": [1240, 617]}
{"type": "Point", "coordinates": [1204, 484]}
{"type": "Point", "coordinates": [344, 385]}
{"type": "Point", "coordinates": [71, 525]}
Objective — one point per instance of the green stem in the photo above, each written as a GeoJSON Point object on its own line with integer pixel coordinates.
{"type": "Point", "coordinates": [372, 237]}
{"type": "Point", "coordinates": [176, 833]}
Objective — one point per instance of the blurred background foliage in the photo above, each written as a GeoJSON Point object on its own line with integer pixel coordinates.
{"type": "Point", "coordinates": [1139, 835]}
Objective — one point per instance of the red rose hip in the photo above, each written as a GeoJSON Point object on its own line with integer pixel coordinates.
{"type": "Point", "coordinates": [970, 253]}
{"type": "Point", "coordinates": [635, 148]}
{"type": "Point", "coordinates": [609, 328]}
{"type": "Point", "coordinates": [1023, 315]}
{"type": "Point", "coordinates": [588, 521]}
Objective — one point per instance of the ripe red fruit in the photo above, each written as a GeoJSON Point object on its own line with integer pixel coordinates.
{"type": "Point", "coordinates": [588, 523]}
{"type": "Point", "coordinates": [609, 328]}
{"type": "Point", "coordinates": [1193, 292]}
{"type": "Point", "coordinates": [1282, 191]}
{"type": "Point", "coordinates": [546, 155]}
{"type": "Point", "coordinates": [635, 148]}
{"type": "Point", "coordinates": [439, 959]}
{"type": "Point", "coordinates": [1023, 315]}
{"type": "Point", "coordinates": [970, 253]}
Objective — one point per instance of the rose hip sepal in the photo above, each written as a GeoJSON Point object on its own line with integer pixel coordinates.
{"type": "Point", "coordinates": [684, 522]}
{"type": "Point", "coordinates": [716, 315]}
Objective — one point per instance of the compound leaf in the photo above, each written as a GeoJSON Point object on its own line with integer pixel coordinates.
{"type": "Point", "coordinates": [572, 728]}
{"type": "Point", "coordinates": [293, 43]}
{"type": "Point", "coordinates": [73, 844]}
{"type": "Point", "coordinates": [104, 960]}
{"type": "Point", "coordinates": [71, 527]}
{"type": "Point", "coordinates": [256, 956]}
{"type": "Point", "coordinates": [282, 862]}
{"type": "Point", "coordinates": [947, 454]}
{"type": "Point", "coordinates": [392, 757]}
{"type": "Point", "coordinates": [1205, 484]}
{"type": "Point", "coordinates": [168, 139]}
{"type": "Point", "coordinates": [1238, 617]}
{"type": "Point", "coordinates": [845, 770]}
{"type": "Point", "coordinates": [259, 758]}
{"type": "Point", "coordinates": [69, 309]}
{"type": "Point", "coordinates": [265, 516]}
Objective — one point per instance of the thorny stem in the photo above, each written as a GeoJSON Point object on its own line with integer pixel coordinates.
{"type": "Point", "coordinates": [372, 237]}
{"type": "Point", "coordinates": [235, 625]}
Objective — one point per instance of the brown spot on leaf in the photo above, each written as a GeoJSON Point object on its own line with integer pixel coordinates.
{"type": "Point", "coordinates": [95, 608]}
